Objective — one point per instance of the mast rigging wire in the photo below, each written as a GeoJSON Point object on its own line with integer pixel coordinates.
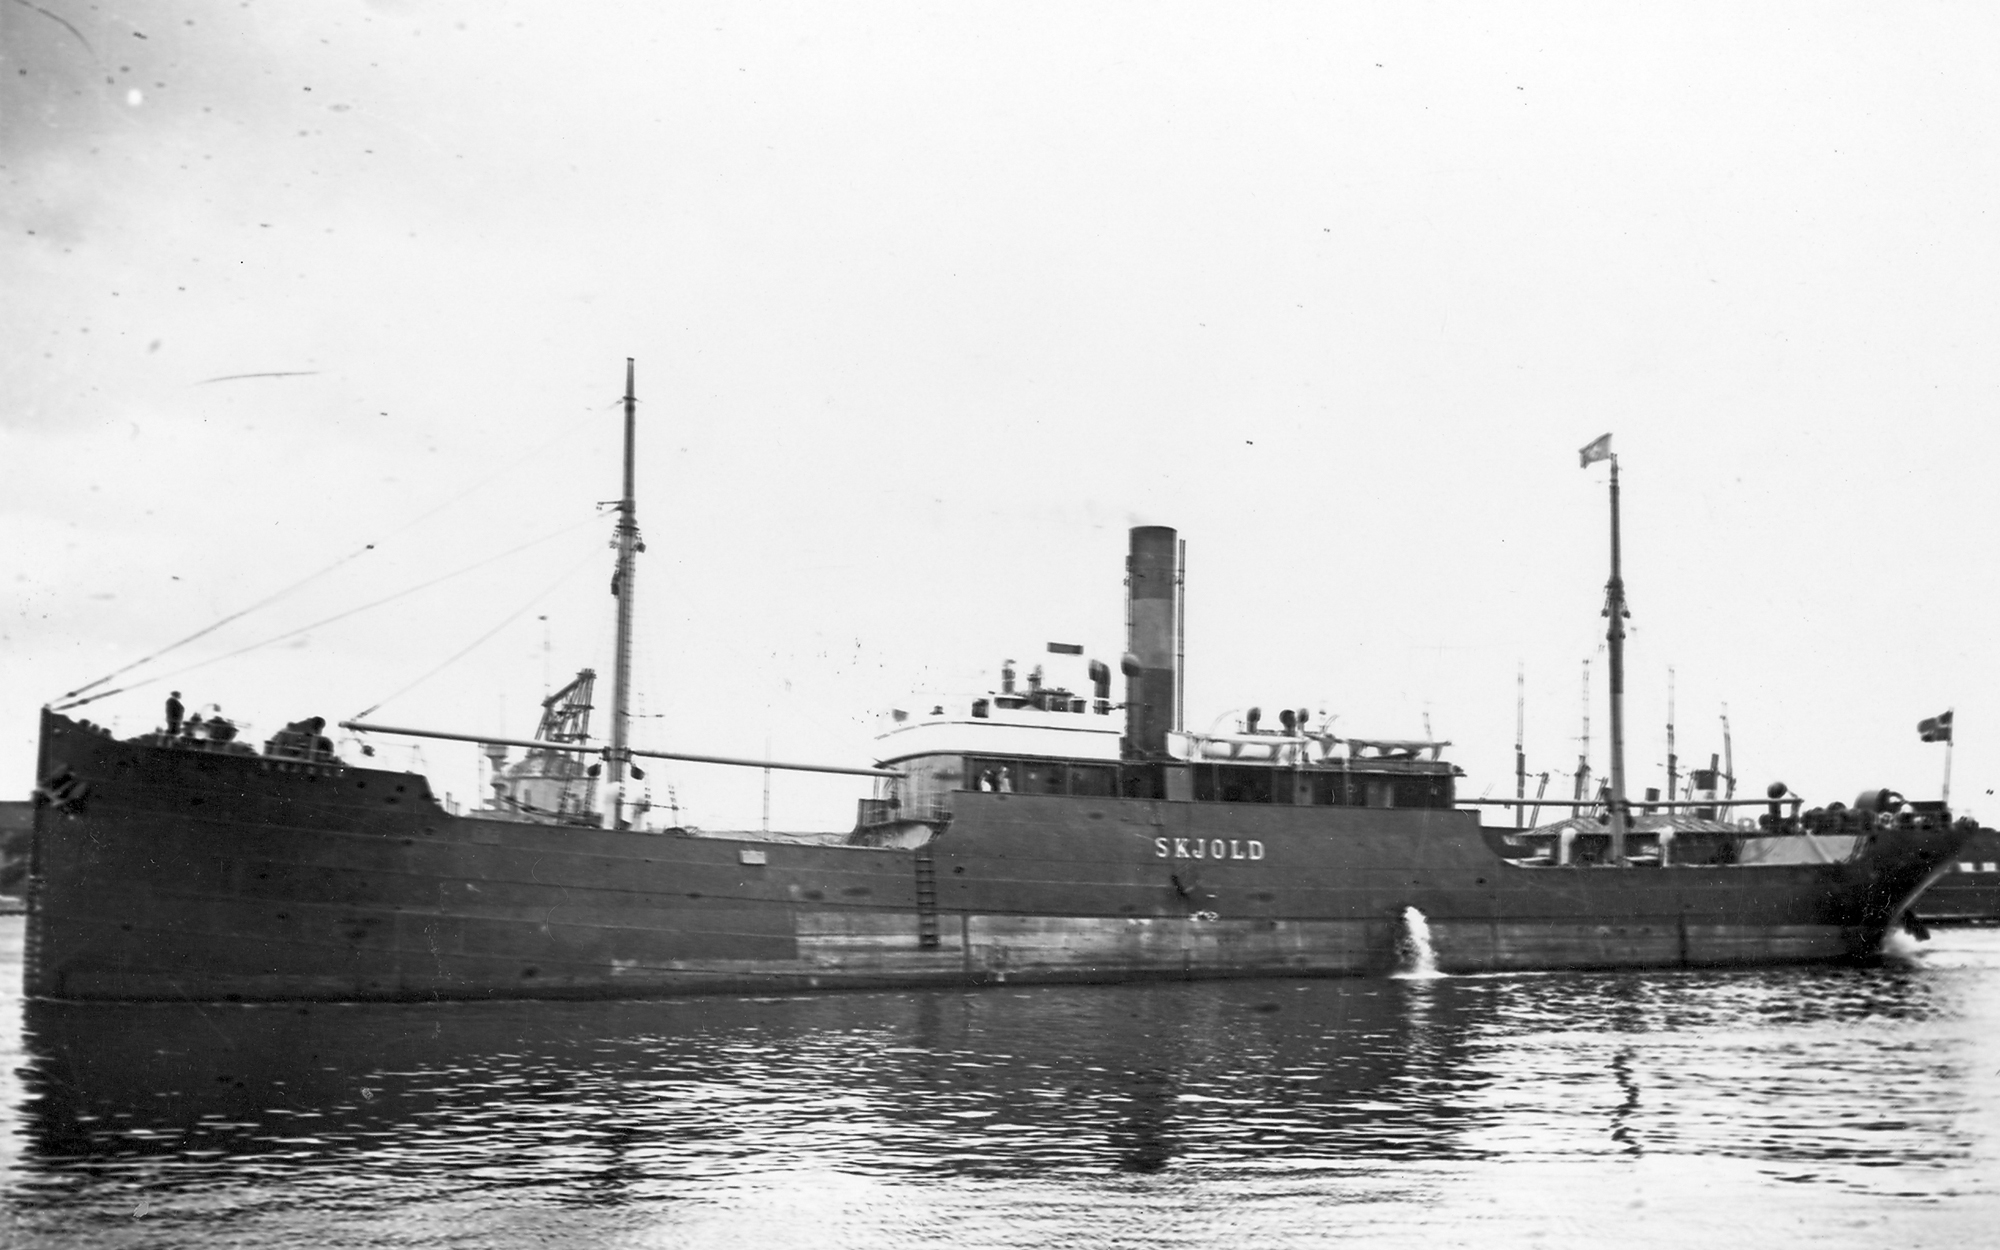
{"type": "Point", "coordinates": [460, 654]}
{"type": "Point", "coordinates": [208, 629]}
{"type": "Point", "coordinates": [338, 616]}
{"type": "Point", "coordinates": [412, 523]}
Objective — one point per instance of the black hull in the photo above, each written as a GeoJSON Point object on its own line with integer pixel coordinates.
{"type": "Point", "coordinates": [1969, 891]}
{"type": "Point", "coordinates": [167, 874]}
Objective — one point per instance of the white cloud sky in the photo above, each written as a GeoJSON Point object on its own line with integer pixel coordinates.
{"type": "Point", "coordinates": [930, 302]}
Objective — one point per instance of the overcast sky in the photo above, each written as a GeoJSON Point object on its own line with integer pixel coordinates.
{"type": "Point", "coordinates": [931, 302]}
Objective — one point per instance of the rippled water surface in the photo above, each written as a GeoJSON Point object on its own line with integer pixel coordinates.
{"type": "Point", "coordinates": [1794, 1107]}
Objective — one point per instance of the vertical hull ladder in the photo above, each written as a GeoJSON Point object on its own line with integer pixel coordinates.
{"type": "Point", "coordinates": [927, 918]}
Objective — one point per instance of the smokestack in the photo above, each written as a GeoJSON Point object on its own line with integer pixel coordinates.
{"type": "Point", "coordinates": [1149, 644]}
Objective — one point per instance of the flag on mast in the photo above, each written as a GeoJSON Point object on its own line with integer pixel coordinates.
{"type": "Point", "coordinates": [1935, 728]}
{"type": "Point", "coordinates": [1599, 450]}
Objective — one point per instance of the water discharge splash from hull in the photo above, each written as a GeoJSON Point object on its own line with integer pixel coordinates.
{"type": "Point", "coordinates": [1416, 958]}
{"type": "Point", "coordinates": [1901, 946]}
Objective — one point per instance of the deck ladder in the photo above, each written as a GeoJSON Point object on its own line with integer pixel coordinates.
{"type": "Point", "coordinates": [927, 920]}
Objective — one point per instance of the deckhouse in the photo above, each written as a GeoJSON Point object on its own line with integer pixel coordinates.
{"type": "Point", "coordinates": [1032, 736]}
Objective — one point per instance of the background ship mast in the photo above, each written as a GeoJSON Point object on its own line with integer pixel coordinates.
{"type": "Point", "coordinates": [1583, 751]}
{"type": "Point", "coordinates": [1520, 754]}
{"type": "Point", "coordinates": [1673, 761]}
{"type": "Point", "coordinates": [1728, 757]}
{"type": "Point", "coordinates": [628, 544]}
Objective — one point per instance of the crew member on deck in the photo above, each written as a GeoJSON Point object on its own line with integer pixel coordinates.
{"type": "Point", "coordinates": [174, 710]}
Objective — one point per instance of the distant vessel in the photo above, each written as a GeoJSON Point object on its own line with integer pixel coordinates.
{"type": "Point", "coordinates": [1027, 834]}
{"type": "Point", "coordinates": [1970, 892]}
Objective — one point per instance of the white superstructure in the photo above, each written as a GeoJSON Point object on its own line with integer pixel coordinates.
{"type": "Point", "coordinates": [1002, 731]}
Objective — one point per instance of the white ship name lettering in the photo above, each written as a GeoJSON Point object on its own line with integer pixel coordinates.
{"type": "Point", "coordinates": [1207, 848]}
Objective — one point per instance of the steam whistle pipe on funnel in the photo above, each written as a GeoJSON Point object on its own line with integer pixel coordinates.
{"type": "Point", "coordinates": [1180, 645]}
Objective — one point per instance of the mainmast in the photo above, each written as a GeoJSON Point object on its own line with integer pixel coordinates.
{"type": "Point", "coordinates": [626, 540]}
{"type": "Point", "coordinates": [1614, 634]}
{"type": "Point", "coordinates": [1614, 607]}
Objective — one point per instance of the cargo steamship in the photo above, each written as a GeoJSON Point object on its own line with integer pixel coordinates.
{"type": "Point", "coordinates": [1028, 835]}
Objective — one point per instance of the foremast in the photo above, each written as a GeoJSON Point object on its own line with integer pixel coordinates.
{"type": "Point", "coordinates": [626, 539]}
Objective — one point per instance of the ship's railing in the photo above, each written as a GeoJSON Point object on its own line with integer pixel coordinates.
{"type": "Point", "coordinates": [288, 744]}
{"type": "Point", "coordinates": [1284, 750]}
{"type": "Point", "coordinates": [870, 813]}
{"type": "Point", "coordinates": [182, 742]}
{"type": "Point", "coordinates": [1822, 835]}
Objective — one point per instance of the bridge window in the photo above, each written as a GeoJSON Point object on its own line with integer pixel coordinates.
{"type": "Point", "coordinates": [1224, 783]}
{"type": "Point", "coordinates": [999, 776]}
{"type": "Point", "coordinates": [1423, 792]}
{"type": "Point", "coordinates": [1095, 780]}
{"type": "Point", "coordinates": [1333, 790]}
{"type": "Point", "coordinates": [1041, 777]}
{"type": "Point", "coordinates": [1142, 781]}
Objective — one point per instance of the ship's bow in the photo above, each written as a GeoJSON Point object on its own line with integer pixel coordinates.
{"type": "Point", "coordinates": [1903, 862]}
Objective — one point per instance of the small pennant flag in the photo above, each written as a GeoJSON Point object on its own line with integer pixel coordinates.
{"type": "Point", "coordinates": [1599, 450]}
{"type": "Point", "coordinates": [1935, 729]}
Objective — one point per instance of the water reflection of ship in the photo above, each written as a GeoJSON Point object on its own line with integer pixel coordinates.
{"type": "Point", "coordinates": [624, 1099]}
{"type": "Point", "coordinates": [975, 1083]}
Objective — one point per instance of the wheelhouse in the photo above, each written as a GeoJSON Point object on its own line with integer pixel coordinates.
{"type": "Point", "coordinates": [1053, 750]}
{"type": "Point", "coordinates": [1039, 738]}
